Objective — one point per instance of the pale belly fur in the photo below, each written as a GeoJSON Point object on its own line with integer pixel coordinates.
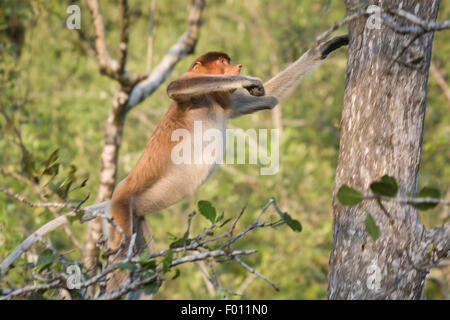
{"type": "Point", "coordinates": [181, 180]}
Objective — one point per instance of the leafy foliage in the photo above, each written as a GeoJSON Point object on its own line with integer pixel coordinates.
{"type": "Point", "coordinates": [372, 227]}
{"type": "Point", "coordinates": [386, 186]}
{"type": "Point", "coordinates": [349, 196]}
{"type": "Point", "coordinates": [207, 210]}
{"type": "Point", "coordinates": [427, 192]}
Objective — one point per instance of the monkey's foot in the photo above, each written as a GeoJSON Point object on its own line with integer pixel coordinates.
{"type": "Point", "coordinates": [256, 90]}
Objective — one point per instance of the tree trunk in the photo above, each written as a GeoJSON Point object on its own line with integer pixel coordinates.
{"type": "Point", "coordinates": [381, 133]}
{"type": "Point", "coordinates": [108, 171]}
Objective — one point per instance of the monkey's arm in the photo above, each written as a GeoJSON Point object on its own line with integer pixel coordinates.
{"type": "Point", "coordinates": [185, 88]}
{"type": "Point", "coordinates": [282, 85]}
{"type": "Point", "coordinates": [243, 103]}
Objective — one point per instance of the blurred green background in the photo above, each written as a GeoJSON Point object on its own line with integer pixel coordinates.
{"type": "Point", "coordinates": [54, 92]}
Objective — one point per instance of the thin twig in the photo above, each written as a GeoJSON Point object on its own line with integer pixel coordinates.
{"type": "Point", "coordinates": [251, 270]}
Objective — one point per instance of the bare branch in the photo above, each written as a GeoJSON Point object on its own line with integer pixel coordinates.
{"type": "Point", "coordinates": [36, 204]}
{"type": "Point", "coordinates": [339, 24]}
{"type": "Point", "coordinates": [34, 288]}
{"type": "Point", "coordinates": [422, 25]}
{"type": "Point", "coordinates": [50, 205]}
{"type": "Point", "coordinates": [215, 280]}
{"type": "Point", "coordinates": [28, 242]}
{"type": "Point", "coordinates": [124, 32]}
{"type": "Point", "coordinates": [107, 65]}
{"type": "Point", "coordinates": [437, 74]}
{"type": "Point", "coordinates": [184, 46]}
{"type": "Point", "coordinates": [251, 270]}
{"type": "Point", "coordinates": [440, 238]}
{"type": "Point", "coordinates": [150, 36]}
{"type": "Point", "coordinates": [408, 200]}
{"type": "Point", "coordinates": [93, 210]}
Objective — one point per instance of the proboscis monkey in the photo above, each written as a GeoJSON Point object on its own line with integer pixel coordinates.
{"type": "Point", "coordinates": [207, 93]}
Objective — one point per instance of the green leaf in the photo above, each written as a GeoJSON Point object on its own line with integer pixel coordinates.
{"type": "Point", "coordinates": [219, 218]}
{"type": "Point", "coordinates": [45, 260]}
{"type": "Point", "coordinates": [28, 163]}
{"type": "Point", "coordinates": [149, 265]}
{"type": "Point", "coordinates": [70, 176]}
{"type": "Point", "coordinates": [167, 260]}
{"type": "Point", "coordinates": [144, 256]}
{"type": "Point", "coordinates": [386, 186]}
{"type": "Point", "coordinates": [180, 242]}
{"type": "Point", "coordinates": [126, 266]}
{"type": "Point", "coordinates": [348, 196]}
{"type": "Point", "coordinates": [207, 210]}
{"type": "Point", "coordinates": [81, 185]}
{"type": "Point", "coordinates": [225, 222]}
{"type": "Point", "coordinates": [62, 189]}
{"type": "Point", "coordinates": [152, 287]}
{"type": "Point", "coordinates": [292, 223]}
{"type": "Point", "coordinates": [177, 274]}
{"type": "Point", "coordinates": [51, 160]}
{"type": "Point", "coordinates": [372, 227]}
{"type": "Point", "coordinates": [50, 170]}
{"type": "Point", "coordinates": [326, 8]}
{"type": "Point", "coordinates": [427, 192]}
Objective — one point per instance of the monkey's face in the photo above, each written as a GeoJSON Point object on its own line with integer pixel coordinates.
{"type": "Point", "coordinates": [221, 65]}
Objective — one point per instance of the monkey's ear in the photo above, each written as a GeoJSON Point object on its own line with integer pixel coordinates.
{"type": "Point", "coordinates": [196, 66]}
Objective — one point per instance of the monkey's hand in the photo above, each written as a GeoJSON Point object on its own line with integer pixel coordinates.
{"type": "Point", "coordinates": [255, 87]}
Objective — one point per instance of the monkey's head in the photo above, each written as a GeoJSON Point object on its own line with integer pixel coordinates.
{"type": "Point", "coordinates": [214, 63]}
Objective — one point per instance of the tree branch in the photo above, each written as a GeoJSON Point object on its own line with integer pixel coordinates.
{"type": "Point", "coordinates": [437, 75]}
{"type": "Point", "coordinates": [107, 65]}
{"type": "Point", "coordinates": [124, 32]}
{"type": "Point", "coordinates": [91, 212]}
{"type": "Point", "coordinates": [150, 36]}
{"type": "Point", "coordinates": [440, 238]}
{"type": "Point", "coordinates": [184, 46]}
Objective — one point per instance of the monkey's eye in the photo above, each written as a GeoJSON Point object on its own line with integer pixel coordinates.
{"type": "Point", "coordinates": [222, 60]}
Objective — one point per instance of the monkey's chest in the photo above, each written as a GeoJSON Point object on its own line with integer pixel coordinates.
{"type": "Point", "coordinates": [194, 159]}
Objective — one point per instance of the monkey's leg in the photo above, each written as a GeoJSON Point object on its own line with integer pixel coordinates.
{"type": "Point", "coordinates": [144, 240]}
{"type": "Point", "coordinates": [147, 237]}
{"type": "Point", "coordinates": [244, 104]}
{"type": "Point", "coordinates": [120, 211]}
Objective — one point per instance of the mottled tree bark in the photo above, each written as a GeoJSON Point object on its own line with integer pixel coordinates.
{"type": "Point", "coordinates": [381, 133]}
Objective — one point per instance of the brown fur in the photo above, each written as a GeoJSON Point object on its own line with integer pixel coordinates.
{"type": "Point", "coordinates": [209, 57]}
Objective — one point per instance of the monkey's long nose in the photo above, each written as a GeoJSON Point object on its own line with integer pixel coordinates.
{"type": "Point", "coordinates": [234, 69]}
